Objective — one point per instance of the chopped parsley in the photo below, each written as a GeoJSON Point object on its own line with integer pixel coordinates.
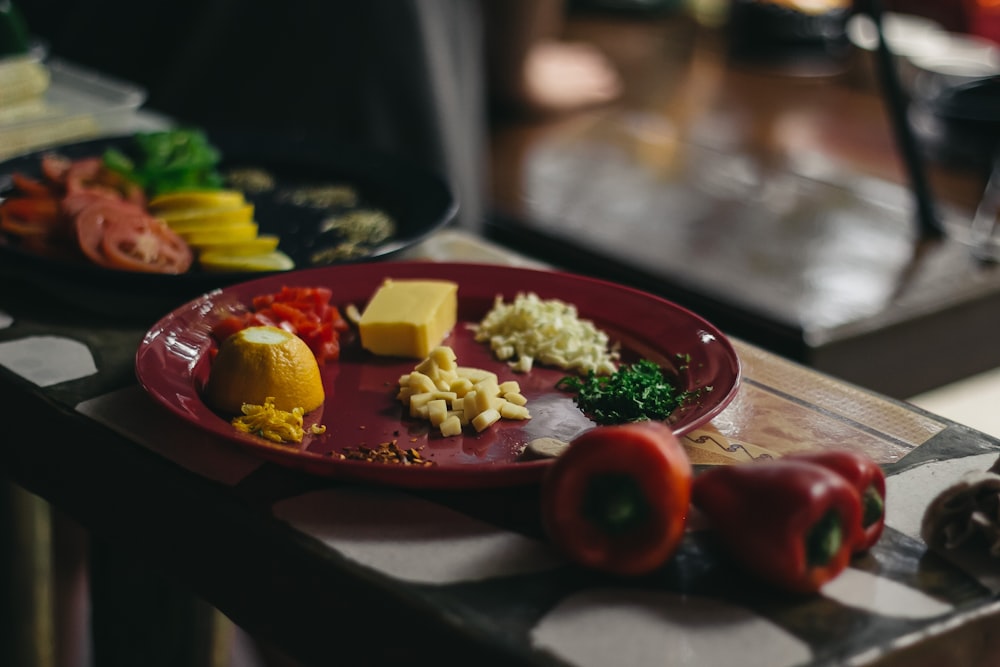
{"type": "Point", "coordinates": [634, 392]}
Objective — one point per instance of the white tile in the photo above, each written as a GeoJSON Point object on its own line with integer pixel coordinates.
{"type": "Point", "coordinates": [974, 401]}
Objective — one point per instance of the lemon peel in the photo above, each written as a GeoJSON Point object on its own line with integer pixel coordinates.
{"type": "Point", "coordinates": [223, 260]}
{"type": "Point", "coordinates": [271, 423]}
{"type": "Point", "coordinates": [196, 199]}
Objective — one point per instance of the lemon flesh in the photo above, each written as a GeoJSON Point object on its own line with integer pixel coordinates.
{"type": "Point", "coordinates": [269, 261]}
{"type": "Point", "coordinates": [196, 199]}
{"type": "Point", "coordinates": [261, 245]}
{"type": "Point", "coordinates": [214, 234]}
{"type": "Point", "coordinates": [258, 363]}
{"type": "Point", "coordinates": [192, 217]}
{"type": "Point", "coordinates": [202, 224]}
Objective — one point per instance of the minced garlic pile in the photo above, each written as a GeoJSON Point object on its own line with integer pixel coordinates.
{"type": "Point", "coordinates": [273, 424]}
{"type": "Point", "coordinates": [450, 396]}
{"type": "Point", "coordinates": [549, 331]}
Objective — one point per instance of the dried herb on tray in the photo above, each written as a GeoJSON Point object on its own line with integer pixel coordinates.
{"type": "Point", "coordinates": [636, 392]}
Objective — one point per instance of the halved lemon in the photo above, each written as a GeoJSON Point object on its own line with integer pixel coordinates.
{"type": "Point", "coordinates": [258, 363]}
{"type": "Point", "coordinates": [270, 261]}
{"type": "Point", "coordinates": [183, 199]}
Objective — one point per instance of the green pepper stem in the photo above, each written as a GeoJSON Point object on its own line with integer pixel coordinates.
{"type": "Point", "coordinates": [824, 539]}
{"type": "Point", "coordinates": [873, 506]}
{"type": "Point", "coordinates": [615, 502]}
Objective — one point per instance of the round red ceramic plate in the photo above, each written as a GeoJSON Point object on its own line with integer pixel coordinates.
{"type": "Point", "coordinates": [172, 364]}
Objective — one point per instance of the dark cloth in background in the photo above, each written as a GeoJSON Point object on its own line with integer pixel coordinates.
{"type": "Point", "coordinates": [400, 76]}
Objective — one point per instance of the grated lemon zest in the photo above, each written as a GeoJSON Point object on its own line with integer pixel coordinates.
{"type": "Point", "coordinates": [271, 423]}
{"type": "Point", "coordinates": [547, 331]}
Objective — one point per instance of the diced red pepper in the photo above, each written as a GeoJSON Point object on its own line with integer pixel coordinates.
{"type": "Point", "coordinates": [791, 523]}
{"type": "Point", "coordinates": [617, 499]}
{"type": "Point", "coordinates": [866, 477]}
{"type": "Point", "coordinates": [226, 327]}
{"type": "Point", "coordinates": [303, 311]}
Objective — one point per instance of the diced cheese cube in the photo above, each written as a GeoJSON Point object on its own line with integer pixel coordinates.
{"type": "Point", "coordinates": [409, 318]}
{"type": "Point", "coordinates": [510, 387]}
{"type": "Point", "coordinates": [469, 404]}
{"type": "Point", "coordinates": [487, 396]}
{"type": "Point", "coordinates": [418, 402]}
{"type": "Point", "coordinates": [461, 386]}
{"type": "Point", "coordinates": [451, 426]}
{"type": "Point", "coordinates": [475, 374]}
{"type": "Point", "coordinates": [420, 383]}
{"type": "Point", "coordinates": [515, 398]}
{"type": "Point", "coordinates": [446, 377]}
{"type": "Point", "coordinates": [428, 368]}
{"type": "Point", "coordinates": [512, 411]}
{"type": "Point", "coordinates": [484, 420]}
{"type": "Point", "coordinates": [437, 411]}
{"type": "Point", "coordinates": [444, 357]}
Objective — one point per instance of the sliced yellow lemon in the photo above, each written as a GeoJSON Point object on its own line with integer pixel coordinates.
{"type": "Point", "coordinates": [261, 245]}
{"type": "Point", "coordinates": [258, 363]}
{"type": "Point", "coordinates": [200, 224]}
{"type": "Point", "coordinates": [270, 261]}
{"type": "Point", "coordinates": [220, 234]}
{"type": "Point", "coordinates": [207, 216]}
{"type": "Point", "coordinates": [185, 199]}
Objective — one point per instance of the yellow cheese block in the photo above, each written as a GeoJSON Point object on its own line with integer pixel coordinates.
{"type": "Point", "coordinates": [409, 318]}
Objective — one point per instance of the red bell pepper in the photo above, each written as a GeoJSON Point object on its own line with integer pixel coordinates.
{"type": "Point", "coordinates": [791, 523]}
{"type": "Point", "coordinates": [866, 477]}
{"type": "Point", "coordinates": [618, 497]}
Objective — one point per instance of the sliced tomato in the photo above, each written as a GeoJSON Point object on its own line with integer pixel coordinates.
{"type": "Point", "coordinates": [33, 216]}
{"type": "Point", "coordinates": [73, 203]}
{"type": "Point", "coordinates": [33, 209]}
{"type": "Point", "coordinates": [55, 166]}
{"type": "Point", "coordinates": [145, 244]}
{"type": "Point", "coordinates": [128, 190]}
{"type": "Point", "coordinates": [83, 175]}
{"type": "Point", "coordinates": [114, 235]}
{"type": "Point", "coordinates": [23, 228]}
{"type": "Point", "coordinates": [32, 187]}
{"type": "Point", "coordinates": [89, 225]}
{"type": "Point", "coordinates": [47, 216]}
{"type": "Point", "coordinates": [90, 175]}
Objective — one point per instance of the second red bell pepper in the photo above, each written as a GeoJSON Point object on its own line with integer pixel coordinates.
{"type": "Point", "coordinates": [866, 477]}
{"type": "Point", "coordinates": [791, 523]}
{"type": "Point", "coordinates": [617, 498]}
